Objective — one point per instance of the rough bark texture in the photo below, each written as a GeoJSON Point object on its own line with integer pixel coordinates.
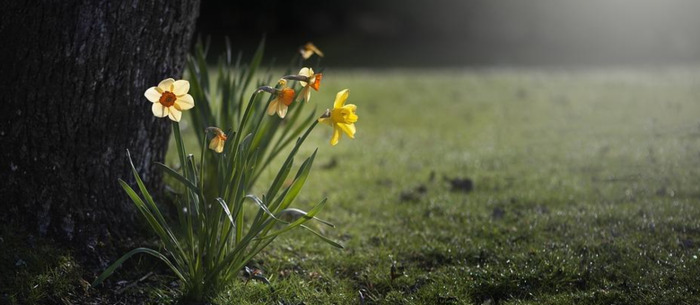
{"type": "Point", "coordinates": [73, 75]}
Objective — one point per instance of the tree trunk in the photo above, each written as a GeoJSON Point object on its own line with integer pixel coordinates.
{"type": "Point", "coordinates": [73, 75]}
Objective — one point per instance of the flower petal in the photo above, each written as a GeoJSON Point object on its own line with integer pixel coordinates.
{"type": "Point", "coordinates": [316, 50]}
{"type": "Point", "coordinates": [336, 135]}
{"type": "Point", "coordinates": [311, 47]}
{"type": "Point", "coordinates": [340, 98]}
{"type": "Point", "coordinates": [184, 102]}
{"type": "Point", "coordinates": [166, 84]}
{"type": "Point", "coordinates": [306, 53]}
{"type": "Point", "coordinates": [272, 107]}
{"type": "Point", "coordinates": [159, 110]}
{"type": "Point", "coordinates": [181, 87]}
{"type": "Point", "coordinates": [217, 144]}
{"type": "Point", "coordinates": [352, 128]}
{"type": "Point", "coordinates": [349, 129]}
{"type": "Point", "coordinates": [352, 116]}
{"type": "Point", "coordinates": [152, 94]}
{"type": "Point", "coordinates": [304, 94]}
{"type": "Point", "coordinates": [282, 110]}
{"type": "Point", "coordinates": [308, 72]}
{"type": "Point", "coordinates": [174, 114]}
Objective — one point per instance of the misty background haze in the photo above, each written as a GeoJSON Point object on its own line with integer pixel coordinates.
{"type": "Point", "coordinates": [469, 32]}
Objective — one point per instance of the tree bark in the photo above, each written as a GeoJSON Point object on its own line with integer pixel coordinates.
{"type": "Point", "coordinates": [73, 75]}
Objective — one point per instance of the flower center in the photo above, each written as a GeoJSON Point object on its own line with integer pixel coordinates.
{"type": "Point", "coordinates": [167, 99]}
{"type": "Point", "coordinates": [343, 115]}
{"type": "Point", "coordinates": [287, 96]}
{"type": "Point", "coordinates": [316, 81]}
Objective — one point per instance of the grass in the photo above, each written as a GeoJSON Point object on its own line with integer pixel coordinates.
{"type": "Point", "coordinates": [34, 271]}
{"type": "Point", "coordinates": [585, 191]}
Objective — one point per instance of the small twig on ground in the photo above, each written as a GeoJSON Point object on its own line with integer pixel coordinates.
{"type": "Point", "coordinates": [143, 278]}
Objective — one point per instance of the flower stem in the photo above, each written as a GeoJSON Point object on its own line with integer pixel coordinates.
{"type": "Point", "coordinates": [180, 147]}
{"type": "Point", "coordinates": [185, 172]}
{"type": "Point", "coordinates": [236, 141]}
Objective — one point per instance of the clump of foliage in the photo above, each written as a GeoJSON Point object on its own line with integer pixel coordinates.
{"type": "Point", "coordinates": [211, 240]}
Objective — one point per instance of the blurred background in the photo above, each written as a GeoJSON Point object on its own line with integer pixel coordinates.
{"type": "Point", "coordinates": [449, 33]}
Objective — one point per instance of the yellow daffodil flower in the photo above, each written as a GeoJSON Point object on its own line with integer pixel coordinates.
{"type": "Point", "coordinates": [309, 49]}
{"type": "Point", "coordinates": [314, 82]}
{"type": "Point", "coordinates": [284, 97]}
{"type": "Point", "coordinates": [342, 117]}
{"type": "Point", "coordinates": [217, 142]}
{"type": "Point", "coordinates": [170, 98]}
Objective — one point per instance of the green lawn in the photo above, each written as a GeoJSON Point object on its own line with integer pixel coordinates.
{"type": "Point", "coordinates": [585, 192]}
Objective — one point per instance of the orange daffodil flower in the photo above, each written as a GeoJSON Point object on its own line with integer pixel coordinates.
{"type": "Point", "coordinates": [170, 98]}
{"type": "Point", "coordinates": [217, 142]}
{"type": "Point", "coordinates": [342, 117]}
{"type": "Point", "coordinates": [314, 81]}
{"type": "Point", "coordinates": [284, 97]}
{"type": "Point", "coordinates": [309, 49]}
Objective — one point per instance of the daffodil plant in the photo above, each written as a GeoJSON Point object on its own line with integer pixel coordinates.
{"type": "Point", "coordinates": [210, 241]}
{"type": "Point", "coordinates": [222, 102]}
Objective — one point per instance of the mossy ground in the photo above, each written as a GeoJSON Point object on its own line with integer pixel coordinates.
{"type": "Point", "coordinates": [585, 191]}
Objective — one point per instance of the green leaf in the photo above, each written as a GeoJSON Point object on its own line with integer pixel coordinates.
{"type": "Point", "coordinates": [299, 213]}
{"type": "Point", "coordinates": [224, 206]}
{"type": "Point", "coordinates": [261, 205]}
{"type": "Point", "coordinates": [156, 218]}
{"type": "Point", "coordinates": [299, 181]}
{"type": "Point", "coordinates": [126, 256]}
{"type": "Point", "coordinates": [326, 239]}
{"type": "Point", "coordinates": [286, 167]}
{"type": "Point", "coordinates": [310, 214]}
{"type": "Point", "coordinates": [201, 115]}
{"type": "Point", "coordinates": [255, 62]}
{"type": "Point", "coordinates": [166, 236]}
{"type": "Point", "coordinates": [146, 195]}
{"type": "Point", "coordinates": [171, 172]}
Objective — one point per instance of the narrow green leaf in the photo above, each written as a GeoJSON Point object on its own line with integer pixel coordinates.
{"type": "Point", "coordinates": [255, 62]}
{"type": "Point", "coordinates": [261, 205]}
{"type": "Point", "coordinates": [171, 172]}
{"type": "Point", "coordinates": [311, 213]}
{"type": "Point", "coordinates": [224, 206]}
{"type": "Point", "coordinates": [296, 213]}
{"type": "Point", "coordinates": [146, 195]}
{"type": "Point", "coordinates": [286, 167]}
{"type": "Point", "coordinates": [129, 254]}
{"type": "Point", "coordinates": [293, 190]}
{"type": "Point", "coordinates": [200, 54]}
{"type": "Point", "coordinates": [168, 239]}
{"type": "Point", "coordinates": [326, 239]}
